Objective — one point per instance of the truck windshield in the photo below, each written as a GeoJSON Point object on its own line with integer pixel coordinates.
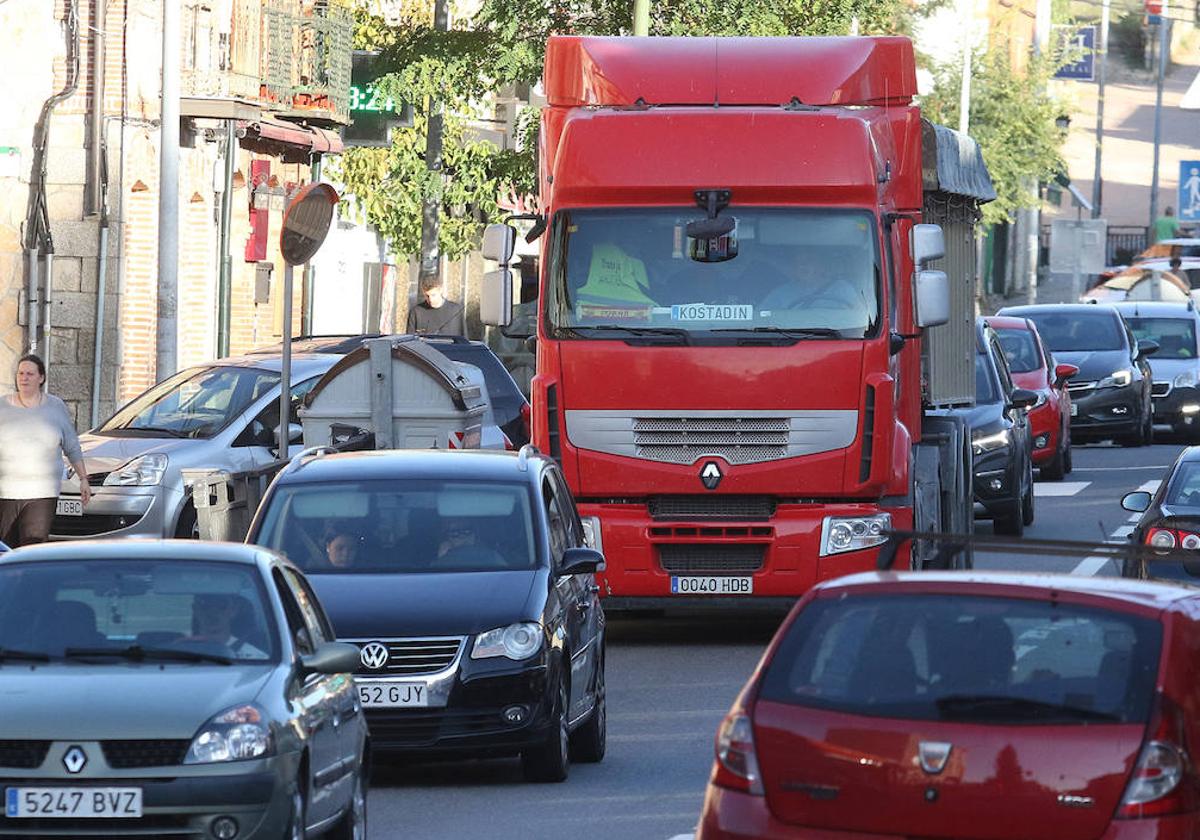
{"type": "Point", "coordinates": [803, 273]}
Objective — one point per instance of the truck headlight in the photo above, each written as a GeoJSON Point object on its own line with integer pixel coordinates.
{"type": "Point", "coordinates": [1116, 379]}
{"type": "Point", "coordinates": [990, 443]}
{"type": "Point", "coordinates": [235, 734]}
{"type": "Point", "coordinates": [1187, 379]}
{"type": "Point", "coordinates": [840, 534]}
{"type": "Point", "coordinates": [516, 641]}
{"type": "Point", "coordinates": [143, 471]}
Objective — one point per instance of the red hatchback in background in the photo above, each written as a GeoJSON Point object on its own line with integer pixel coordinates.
{"type": "Point", "coordinates": [968, 706]}
{"type": "Point", "coordinates": [1033, 368]}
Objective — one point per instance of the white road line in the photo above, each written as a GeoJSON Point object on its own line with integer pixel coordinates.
{"type": "Point", "coordinates": [1121, 533]}
{"type": "Point", "coordinates": [683, 837]}
{"type": "Point", "coordinates": [1121, 469]}
{"type": "Point", "coordinates": [1090, 566]}
{"type": "Point", "coordinates": [1060, 488]}
{"type": "Point", "coordinates": [1151, 486]}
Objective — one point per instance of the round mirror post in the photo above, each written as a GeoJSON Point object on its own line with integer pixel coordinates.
{"type": "Point", "coordinates": [305, 226]}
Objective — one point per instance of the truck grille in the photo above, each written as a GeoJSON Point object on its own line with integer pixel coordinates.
{"type": "Point", "coordinates": [147, 753]}
{"type": "Point", "coordinates": [682, 440]}
{"type": "Point", "coordinates": [412, 657]}
{"type": "Point", "coordinates": [711, 507]}
{"type": "Point", "coordinates": [25, 755]}
{"type": "Point", "coordinates": [1160, 389]}
{"type": "Point", "coordinates": [731, 558]}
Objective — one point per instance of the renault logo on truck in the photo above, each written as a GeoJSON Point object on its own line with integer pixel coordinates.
{"type": "Point", "coordinates": [710, 475]}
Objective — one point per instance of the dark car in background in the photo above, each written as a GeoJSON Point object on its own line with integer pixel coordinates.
{"type": "Point", "coordinates": [509, 405]}
{"type": "Point", "coordinates": [1175, 328]}
{"type": "Point", "coordinates": [172, 689]}
{"type": "Point", "coordinates": [1034, 369]}
{"type": "Point", "coordinates": [1000, 438]}
{"type": "Point", "coordinates": [465, 581]}
{"type": "Point", "coordinates": [1110, 396]}
{"type": "Point", "coordinates": [941, 704]}
{"type": "Point", "coordinates": [1170, 522]}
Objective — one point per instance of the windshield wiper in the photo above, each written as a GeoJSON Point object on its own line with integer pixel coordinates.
{"type": "Point", "coordinates": [985, 706]}
{"type": "Point", "coordinates": [137, 653]}
{"type": "Point", "coordinates": [790, 332]}
{"type": "Point", "coordinates": [153, 430]}
{"type": "Point", "coordinates": [23, 655]}
{"type": "Point", "coordinates": [670, 332]}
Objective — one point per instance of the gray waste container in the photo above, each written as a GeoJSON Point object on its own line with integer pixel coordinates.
{"type": "Point", "coordinates": [226, 502]}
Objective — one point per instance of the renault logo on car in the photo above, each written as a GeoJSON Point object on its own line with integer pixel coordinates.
{"type": "Point", "coordinates": [374, 655]}
{"type": "Point", "coordinates": [75, 759]}
{"type": "Point", "coordinates": [710, 475]}
{"type": "Point", "coordinates": [934, 755]}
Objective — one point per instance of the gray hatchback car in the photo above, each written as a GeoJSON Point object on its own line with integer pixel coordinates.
{"type": "Point", "coordinates": [173, 689]}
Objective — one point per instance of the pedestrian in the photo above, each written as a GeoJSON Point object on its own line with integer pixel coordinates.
{"type": "Point", "coordinates": [435, 314]}
{"type": "Point", "coordinates": [1166, 226]}
{"type": "Point", "coordinates": [35, 433]}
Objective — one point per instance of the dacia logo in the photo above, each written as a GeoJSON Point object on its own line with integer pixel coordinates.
{"type": "Point", "coordinates": [933, 756]}
{"type": "Point", "coordinates": [710, 475]}
{"type": "Point", "coordinates": [75, 759]}
{"type": "Point", "coordinates": [374, 655]}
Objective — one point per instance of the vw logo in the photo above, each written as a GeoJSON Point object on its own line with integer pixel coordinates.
{"type": "Point", "coordinates": [374, 655]}
{"type": "Point", "coordinates": [75, 759]}
{"type": "Point", "coordinates": [933, 755]}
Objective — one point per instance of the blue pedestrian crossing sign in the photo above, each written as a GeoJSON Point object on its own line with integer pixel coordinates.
{"type": "Point", "coordinates": [1189, 191]}
{"type": "Point", "coordinates": [1078, 43]}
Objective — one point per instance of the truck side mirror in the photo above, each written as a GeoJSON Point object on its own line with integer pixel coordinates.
{"type": "Point", "coordinates": [499, 241]}
{"type": "Point", "coordinates": [928, 244]}
{"type": "Point", "coordinates": [933, 298]}
{"type": "Point", "coordinates": [495, 298]}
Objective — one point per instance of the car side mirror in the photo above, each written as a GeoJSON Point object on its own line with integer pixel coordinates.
{"type": "Point", "coordinates": [331, 658]}
{"type": "Point", "coordinates": [1022, 398]}
{"type": "Point", "coordinates": [1136, 502]}
{"type": "Point", "coordinates": [1063, 372]}
{"type": "Point", "coordinates": [580, 561]}
{"type": "Point", "coordinates": [1147, 347]}
{"type": "Point", "coordinates": [295, 433]}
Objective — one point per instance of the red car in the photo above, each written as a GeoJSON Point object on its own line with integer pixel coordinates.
{"type": "Point", "coordinates": [966, 705]}
{"type": "Point", "coordinates": [1033, 367]}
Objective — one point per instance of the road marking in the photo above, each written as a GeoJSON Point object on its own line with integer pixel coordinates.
{"type": "Point", "coordinates": [1151, 486]}
{"type": "Point", "coordinates": [1121, 469]}
{"type": "Point", "coordinates": [1121, 533]}
{"type": "Point", "coordinates": [1060, 488]}
{"type": "Point", "coordinates": [683, 837]}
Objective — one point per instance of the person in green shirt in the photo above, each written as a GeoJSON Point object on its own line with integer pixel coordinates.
{"type": "Point", "coordinates": [1166, 226]}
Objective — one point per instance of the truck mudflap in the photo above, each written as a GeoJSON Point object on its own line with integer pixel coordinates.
{"type": "Point", "coordinates": [943, 499]}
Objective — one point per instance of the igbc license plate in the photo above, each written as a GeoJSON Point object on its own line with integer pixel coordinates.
{"type": "Point", "coordinates": [712, 585]}
{"type": "Point", "coordinates": [383, 693]}
{"type": "Point", "coordinates": [69, 507]}
{"type": "Point", "coordinates": [100, 802]}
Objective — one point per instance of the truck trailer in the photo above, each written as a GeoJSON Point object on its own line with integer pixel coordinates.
{"type": "Point", "coordinates": [756, 291]}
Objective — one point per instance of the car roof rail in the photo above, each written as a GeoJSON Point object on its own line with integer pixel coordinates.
{"type": "Point", "coordinates": [523, 455]}
{"type": "Point", "coordinates": [311, 452]}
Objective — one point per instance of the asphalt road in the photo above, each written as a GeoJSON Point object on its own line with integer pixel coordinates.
{"type": "Point", "coordinates": [671, 681]}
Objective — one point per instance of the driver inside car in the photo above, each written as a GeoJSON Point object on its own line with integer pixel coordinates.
{"type": "Point", "coordinates": [213, 617]}
{"type": "Point", "coordinates": [461, 546]}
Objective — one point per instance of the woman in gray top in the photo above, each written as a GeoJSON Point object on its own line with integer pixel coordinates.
{"type": "Point", "coordinates": [35, 433]}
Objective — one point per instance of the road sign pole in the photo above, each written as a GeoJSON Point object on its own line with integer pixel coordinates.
{"type": "Point", "coordinates": [1164, 49]}
{"type": "Point", "coordinates": [1098, 176]}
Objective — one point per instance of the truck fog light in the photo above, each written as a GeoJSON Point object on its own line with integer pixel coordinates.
{"type": "Point", "coordinates": [515, 715]}
{"type": "Point", "coordinates": [1041, 441]}
{"type": "Point", "coordinates": [224, 828]}
{"type": "Point", "coordinates": [996, 484]}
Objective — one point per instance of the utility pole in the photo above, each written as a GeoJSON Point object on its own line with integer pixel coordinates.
{"type": "Point", "coordinates": [166, 331]}
{"type": "Point", "coordinates": [1098, 177]}
{"type": "Point", "coordinates": [641, 17]}
{"type": "Point", "coordinates": [964, 93]}
{"type": "Point", "coordinates": [431, 256]}
{"type": "Point", "coordinates": [1164, 55]}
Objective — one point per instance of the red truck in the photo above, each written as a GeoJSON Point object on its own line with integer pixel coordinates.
{"type": "Point", "coordinates": [743, 335]}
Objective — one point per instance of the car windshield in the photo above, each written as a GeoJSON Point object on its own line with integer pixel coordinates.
{"type": "Point", "coordinates": [1184, 486]}
{"type": "Point", "coordinates": [195, 403]}
{"type": "Point", "coordinates": [637, 273]}
{"type": "Point", "coordinates": [985, 386]}
{"type": "Point", "coordinates": [968, 658]}
{"type": "Point", "coordinates": [1020, 349]}
{"type": "Point", "coordinates": [1176, 337]}
{"type": "Point", "coordinates": [1078, 330]}
{"type": "Point", "coordinates": [152, 610]}
{"type": "Point", "coordinates": [386, 526]}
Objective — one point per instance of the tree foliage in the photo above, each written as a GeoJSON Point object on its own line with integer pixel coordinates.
{"type": "Point", "coordinates": [1013, 119]}
{"type": "Point", "coordinates": [504, 43]}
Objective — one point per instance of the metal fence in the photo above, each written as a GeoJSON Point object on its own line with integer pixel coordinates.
{"type": "Point", "coordinates": [1124, 243]}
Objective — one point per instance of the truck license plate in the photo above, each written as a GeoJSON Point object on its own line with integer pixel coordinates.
{"type": "Point", "coordinates": [110, 802]}
{"type": "Point", "coordinates": [712, 585]}
{"type": "Point", "coordinates": [386, 694]}
{"type": "Point", "coordinates": [69, 507]}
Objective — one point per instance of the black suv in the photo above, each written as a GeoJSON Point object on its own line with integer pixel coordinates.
{"type": "Point", "coordinates": [464, 580]}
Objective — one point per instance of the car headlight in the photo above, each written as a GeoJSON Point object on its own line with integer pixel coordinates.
{"type": "Point", "coordinates": [1187, 379]}
{"type": "Point", "coordinates": [990, 443]}
{"type": "Point", "coordinates": [235, 734]}
{"type": "Point", "coordinates": [143, 471]}
{"type": "Point", "coordinates": [840, 534]}
{"type": "Point", "coordinates": [516, 641]}
{"type": "Point", "coordinates": [1117, 379]}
